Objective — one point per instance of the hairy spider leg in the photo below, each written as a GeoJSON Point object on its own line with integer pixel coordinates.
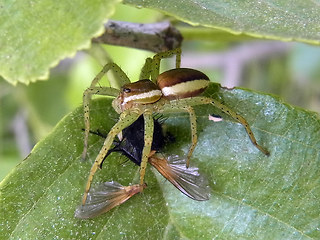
{"type": "Point", "coordinates": [179, 105]}
{"type": "Point", "coordinates": [106, 91]}
{"type": "Point", "coordinates": [146, 69]}
{"type": "Point", "coordinates": [122, 77]}
{"type": "Point", "coordinates": [148, 137]}
{"type": "Point", "coordinates": [86, 100]}
{"type": "Point", "coordinates": [126, 119]}
{"type": "Point", "coordinates": [241, 120]}
{"type": "Point", "coordinates": [157, 58]}
{"type": "Point", "coordinates": [194, 136]}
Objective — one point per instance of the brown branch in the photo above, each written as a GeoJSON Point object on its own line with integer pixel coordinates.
{"type": "Point", "coordinates": [155, 37]}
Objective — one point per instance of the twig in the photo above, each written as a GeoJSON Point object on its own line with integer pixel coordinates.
{"type": "Point", "coordinates": [156, 37]}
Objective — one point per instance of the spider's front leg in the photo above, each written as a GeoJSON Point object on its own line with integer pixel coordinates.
{"type": "Point", "coordinates": [106, 91]}
{"type": "Point", "coordinates": [148, 137]}
{"type": "Point", "coordinates": [126, 119]}
{"type": "Point", "coordinates": [146, 70]}
{"type": "Point", "coordinates": [194, 136]}
{"type": "Point", "coordinates": [87, 95]}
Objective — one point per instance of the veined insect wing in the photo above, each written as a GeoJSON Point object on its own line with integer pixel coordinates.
{"type": "Point", "coordinates": [105, 197]}
{"type": "Point", "coordinates": [187, 180]}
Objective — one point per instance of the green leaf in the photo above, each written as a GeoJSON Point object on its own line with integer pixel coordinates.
{"type": "Point", "coordinates": [281, 20]}
{"type": "Point", "coordinates": [36, 35]}
{"type": "Point", "coordinates": [253, 196]}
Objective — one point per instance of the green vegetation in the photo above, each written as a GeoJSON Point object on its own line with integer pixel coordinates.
{"type": "Point", "coordinates": [253, 196]}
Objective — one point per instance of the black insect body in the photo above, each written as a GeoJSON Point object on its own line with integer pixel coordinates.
{"type": "Point", "coordinates": [132, 142]}
{"type": "Point", "coordinates": [173, 168]}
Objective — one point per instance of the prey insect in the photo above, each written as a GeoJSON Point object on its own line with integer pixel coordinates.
{"type": "Point", "coordinates": [173, 91]}
{"type": "Point", "coordinates": [173, 168]}
{"type": "Point", "coordinates": [111, 194]}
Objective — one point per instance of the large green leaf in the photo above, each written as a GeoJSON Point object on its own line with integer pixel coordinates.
{"type": "Point", "coordinates": [36, 35]}
{"type": "Point", "coordinates": [283, 20]}
{"type": "Point", "coordinates": [253, 196]}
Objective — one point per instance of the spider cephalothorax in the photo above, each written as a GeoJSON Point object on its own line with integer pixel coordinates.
{"type": "Point", "coordinates": [138, 93]}
{"type": "Point", "coordinates": [173, 91]}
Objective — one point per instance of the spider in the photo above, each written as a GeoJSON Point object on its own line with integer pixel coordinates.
{"type": "Point", "coordinates": [175, 90]}
{"type": "Point", "coordinates": [111, 194]}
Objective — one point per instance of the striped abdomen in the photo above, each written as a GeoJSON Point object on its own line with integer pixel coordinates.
{"type": "Point", "coordinates": [182, 83]}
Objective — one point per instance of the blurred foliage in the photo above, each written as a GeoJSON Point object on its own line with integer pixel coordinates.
{"type": "Point", "coordinates": [44, 103]}
{"type": "Point", "coordinates": [44, 32]}
{"type": "Point", "coordinates": [279, 20]}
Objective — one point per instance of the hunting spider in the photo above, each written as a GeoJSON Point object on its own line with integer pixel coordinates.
{"type": "Point", "coordinates": [176, 90]}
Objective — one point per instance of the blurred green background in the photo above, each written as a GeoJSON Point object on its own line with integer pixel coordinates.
{"type": "Point", "coordinates": [29, 113]}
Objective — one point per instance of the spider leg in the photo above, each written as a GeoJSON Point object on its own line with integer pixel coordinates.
{"type": "Point", "coordinates": [179, 105]}
{"type": "Point", "coordinates": [123, 78]}
{"type": "Point", "coordinates": [184, 105]}
{"type": "Point", "coordinates": [93, 90]}
{"type": "Point", "coordinates": [194, 137]}
{"type": "Point", "coordinates": [125, 120]}
{"type": "Point", "coordinates": [157, 58]}
{"type": "Point", "coordinates": [148, 137]}
{"type": "Point", "coordinates": [86, 100]}
{"type": "Point", "coordinates": [241, 120]}
{"type": "Point", "coordinates": [146, 69]}
{"type": "Point", "coordinates": [100, 54]}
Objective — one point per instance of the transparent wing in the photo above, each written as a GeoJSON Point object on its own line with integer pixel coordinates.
{"type": "Point", "coordinates": [105, 197]}
{"type": "Point", "coordinates": [187, 180]}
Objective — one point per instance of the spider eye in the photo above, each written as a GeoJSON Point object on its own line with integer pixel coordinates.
{"type": "Point", "coordinates": [127, 90]}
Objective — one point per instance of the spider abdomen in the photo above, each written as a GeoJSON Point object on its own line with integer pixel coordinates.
{"type": "Point", "coordinates": [182, 83]}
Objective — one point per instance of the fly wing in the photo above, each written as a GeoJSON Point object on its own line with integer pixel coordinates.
{"type": "Point", "coordinates": [187, 180]}
{"type": "Point", "coordinates": [105, 197]}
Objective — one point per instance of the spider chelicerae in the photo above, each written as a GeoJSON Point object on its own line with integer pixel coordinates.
{"type": "Point", "coordinates": [175, 90]}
